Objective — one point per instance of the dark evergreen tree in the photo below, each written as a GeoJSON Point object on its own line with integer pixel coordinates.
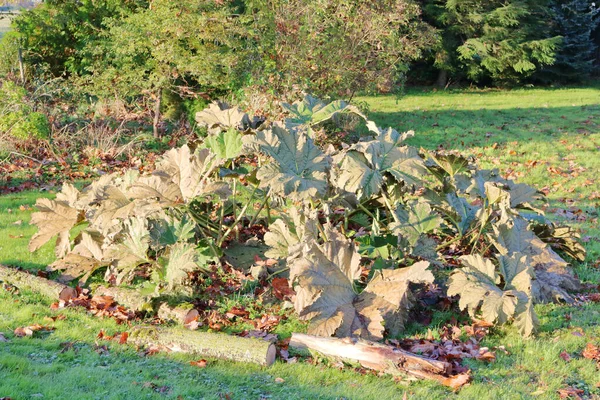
{"type": "Point", "coordinates": [575, 20]}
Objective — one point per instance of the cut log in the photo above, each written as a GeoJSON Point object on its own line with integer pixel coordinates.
{"type": "Point", "coordinates": [132, 299]}
{"type": "Point", "coordinates": [184, 313]}
{"type": "Point", "coordinates": [46, 287]}
{"type": "Point", "coordinates": [204, 344]}
{"type": "Point", "coordinates": [129, 298]}
{"type": "Point", "coordinates": [371, 355]}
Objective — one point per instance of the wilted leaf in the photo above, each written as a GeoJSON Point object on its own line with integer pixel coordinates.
{"type": "Point", "coordinates": [54, 218]}
{"type": "Point", "coordinates": [75, 266]}
{"type": "Point", "coordinates": [553, 279]}
{"type": "Point", "coordinates": [190, 172]}
{"type": "Point", "coordinates": [362, 169]}
{"type": "Point", "coordinates": [477, 284]}
{"type": "Point", "coordinates": [325, 294]}
{"type": "Point", "coordinates": [217, 117]}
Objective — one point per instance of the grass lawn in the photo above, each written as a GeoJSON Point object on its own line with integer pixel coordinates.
{"type": "Point", "coordinates": [549, 138]}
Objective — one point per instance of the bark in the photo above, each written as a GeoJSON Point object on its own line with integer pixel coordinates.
{"type": "Point", "coordinates": [204, 344]}
{"type": "Point", "coordinates": [21, 65]}
{"type": "Point", "coordinates": [184, 313]}
{"type": "Point", "coordinates": [157, 114]}
{"type": "Point", "coordinates": [442, 78]}
{"type": "Point", "coordinates": [24, 280]}
{"type": "Point", "coordinates": [129, 298]}
{"type": "Point", "coordinates": [372, 355]}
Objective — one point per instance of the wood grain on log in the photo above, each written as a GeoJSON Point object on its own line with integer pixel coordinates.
{"type": "Point", "coordinates": [371, 355]}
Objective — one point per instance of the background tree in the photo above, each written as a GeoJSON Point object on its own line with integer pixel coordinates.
{"type": "Point", "coordinates": [337, 47]}
{"type": "Point", "coordinates": [575, 20]}
{"type": "Point", "coordinates": [55, 32]}
{"type": "Point", "coordinates": [492, 41]}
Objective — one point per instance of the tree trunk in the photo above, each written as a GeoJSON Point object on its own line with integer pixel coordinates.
{"type": "Point", "coordinates": [442, 78]}
{"type": "Point", "coordinates": [204, 344]}
{"type": "Point", "coordinates": [24, 280]}
{"type": "Point", "coordinates": [157, 114]}
{"type": "Point", "coordinates": [371, 355]}
{"type": "Point", "coordinates": [21, 65]}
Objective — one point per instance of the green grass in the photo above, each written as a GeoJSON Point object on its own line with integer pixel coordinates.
{"type": "Point", "coordinates": [532, 128]}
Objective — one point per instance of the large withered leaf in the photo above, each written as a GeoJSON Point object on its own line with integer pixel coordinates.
{"type": "Point", "coordinates": [280, 239]}
{"type": "Point", "coordinates": [75, 266]}
{"type": "Point", "coordinates": [477, 285]}
{"type": "Point", "coordinates": [286, 235]}
{"type": "Point", "coordinates": [324, 278]}
{"type": "Point", "coordinates": [190, 171]}
{"type": "Point", "coordinates": [363, 167]}
{"type": "Point", "coordinates": [358, 176]}
{"type": "Point", "coordinates": [553, 278]}
{"type": "Point", "coordinates": [324, 292]}
{"type": "Point", "coordinates": [385, 302]}
{"type": "Point", "coordinates": [218, 117]}
{"type": "Point", "coordinates": [53, 218]}
{"type": "Point", "coordinates": [298, 167]}
{"type": "Point", "coordinates": [115, 206]}
{"type": "Point", "coordinates": [415, 219]}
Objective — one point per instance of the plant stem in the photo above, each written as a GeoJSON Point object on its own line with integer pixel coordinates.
{"type": "Point", "coordinates": [238, 219]}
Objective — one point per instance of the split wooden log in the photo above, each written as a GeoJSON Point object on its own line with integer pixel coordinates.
{"type": "Point", "coordinates": [372, 355]}
{"type": "Point", "coordinates": [46, 287]}
{"type": "Point", "coordinates": [205, 344]}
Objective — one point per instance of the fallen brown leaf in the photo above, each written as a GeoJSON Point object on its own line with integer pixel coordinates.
{"type": "Point", "coordinates": [457, 381]}
{"type": "Point", "coordinates": [200, 363]}
{"type": "Point", "coordinates": [565, 356]}
{"type": "Point", "coordinates": [591, 352]}
{"type": "Point", "coordinates": [570, 392]}
{"type": "Point", "coordinates": [29, 330]}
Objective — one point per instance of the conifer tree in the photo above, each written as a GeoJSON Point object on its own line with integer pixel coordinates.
{"type": "Point", "coordinates": [575, 20]}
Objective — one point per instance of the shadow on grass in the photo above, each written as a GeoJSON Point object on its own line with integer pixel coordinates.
{"type": "Point", "coordinates": [454, 129]}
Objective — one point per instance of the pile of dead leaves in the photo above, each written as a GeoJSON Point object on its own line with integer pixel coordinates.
{"type": "Point", "coordinates": [100, 306]}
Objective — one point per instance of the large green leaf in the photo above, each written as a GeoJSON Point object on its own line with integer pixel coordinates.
{"type": "Point", "coordinates": [225, 144]}
{"type": "Point", "coordinates": [311, 111]}
{"type": "Point", "coordinates": [298, 169]}
{"type": "Point", "coordinates": [415, 219]}
{"type": "Point", "coordinates": [181, 259]}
